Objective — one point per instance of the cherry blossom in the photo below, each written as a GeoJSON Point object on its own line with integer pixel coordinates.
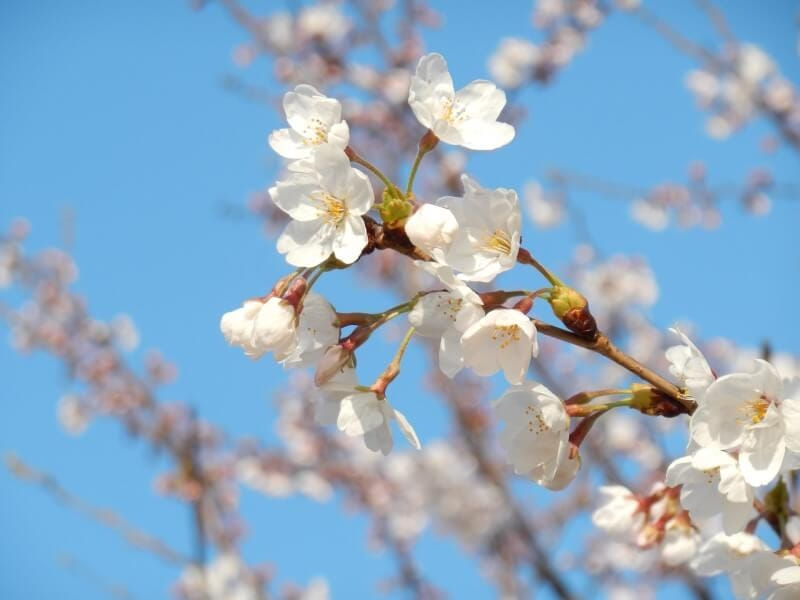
{"type": "Point", "coordinates": [326, 207]}
{"type": "Point", "coordinates": [729, 554]}
{"type": "Point", "coordinates": [314, 120]}
{"type": "Point", "coordinates": [619, 512]}
{"type": "Point", "coordinates": [713, 485]}
{"type": "Point", "coordinates": [361, 413]}
{"type": "Point", "coordinates": [488, 236]}
{"type": "Point", "coordinates": [536, 430]}
{"type": "Point", "coordinates": [431, 229]}
{"type": "Point", "coordinates": [689, 365]}
{"type": "Point", "coordinates": [503, 339]}
{"type": "Point", "coordinates": [750, 411]}
{"type": "Point", "coordinates": [467, 117]}
{"type": "Point", "coordinates": [316, 331]}
{"type": "Point", "coordinates": [260, 327]}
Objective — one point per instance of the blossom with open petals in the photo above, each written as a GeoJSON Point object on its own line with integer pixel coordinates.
{"type": "Point", "coordinates": [503, 339]}
{"type": "Point", "coordinates": [325, 205]}
{"type": "Point", "coordinates": [486, 242]}
{"type": "Point", "coordinates": [467, 117]}
{"type": "Point", "coordinates": [752, 412]}
{"type": "Point", "coordinates": [314, 120]}
{"type": "Point", "coordinates": [730, 554]}
{"type": "Point", "coordinates": [446, 315]}
{"type": "Point", "coordinates": [619, 512]}
{"type": "Point", "coordinates": [360, 413]}
{"type": "Point", "coordinates": [712, 485]}
{"type": "Point", "coordinates": [536, 430]}
{"type": "Point", "coordinates": [316, 331]}
{"type": "Point", "coordinates": [689, 365]}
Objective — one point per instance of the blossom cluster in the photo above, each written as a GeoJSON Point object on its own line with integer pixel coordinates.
{"type": "Point", "coordinates": [744, 437]}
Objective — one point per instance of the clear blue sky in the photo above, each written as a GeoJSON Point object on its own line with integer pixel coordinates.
{"type": "Point", "coordinates": [115, 110]}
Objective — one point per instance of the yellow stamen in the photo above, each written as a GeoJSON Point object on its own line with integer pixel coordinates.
{"type": "Point", "coordinates": [506, 334]}
{"type": "Point", "coordinates": [333, 209]}
{"type": "Point", "coordinates": [498, 242]}
{"type": "Point", "coordinates": [315, 133]}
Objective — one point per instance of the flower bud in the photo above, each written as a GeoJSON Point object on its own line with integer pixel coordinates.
{"type": "Point", "coordinates": [573, 310]}
{"type": "Point", "coordinates": [428, 142]}
{"type": "Point", "coordinates": [431, 228]}
{"type": "Point", "coordinates": [650, 401]}
{"type": "Point", "coordinates": [394, 208]}
{"type": "Point", "coordinates": [296, 291]}
{"type": "Point", "coordinates": [332, 362]}
{"type": "Point", "coordinates": [274, 328]}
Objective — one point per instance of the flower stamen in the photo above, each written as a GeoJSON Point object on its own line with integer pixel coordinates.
{"type": "Point", "coordinates": [498, 242]}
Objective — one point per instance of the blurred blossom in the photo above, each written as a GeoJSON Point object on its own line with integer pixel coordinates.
{"type": "Point", "coordinates": [544, 210]}
{"type": "Point", "coordinates": [324, 22]}
{"type": "Point", "coordinates": [72, 414]}
{"type": "Point", "coordinates": [650, 214]}
{"type": "Point", "coordinates": [513, 61]}
{"type": "Point", "coordinates": [124, 331]}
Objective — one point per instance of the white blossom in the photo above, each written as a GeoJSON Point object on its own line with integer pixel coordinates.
{"type": "Point", "coordinates": [326, 205]}
{"type": "Point", "coordinates": [543, 210]}
{"type": "Point", "coordinates": [513, 61]}
{"type": "Point", "coordinates": [729, 554]}
{"type": "Point", "coordinates": [680, 543]}
{"type": "Point", "coordinates": [712, 485]}
{"type": "Point", "coordinates": [774, 576]}
{"type": "Point", "coordinates": [72, 414]}
{"type": "Point", "coordinates": [314, 120]}
{"type": "Point", "coordinates": [465, 118]}
{"type": "Point", "coordinates": [316, 331]}
{"type": "Point", "coordinates": [323, 20]}
{"type": "Point", "coordinates": [619, 512]}
{"type": "Point", "coordinates": [260, 327]}
{"type": "Point", "coordinates": [536, 430]}
{"type": "Point", "coordinates": [503, 339]}
{"type": "Point", "coordinates": [360, 413]}
{"type": "Point", "coordinates": [689, 365]}
{"type": "Point", "coordinates": [488, 236]}
{"type": "Point", "coordinates": [431, 229]}
{"type": "Point", "coordinates": [752, 412]}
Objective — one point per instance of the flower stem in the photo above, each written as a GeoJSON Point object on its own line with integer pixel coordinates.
{"type": "Point", "coordinates": [602, 345]}
{"type": "Point", "coordinates": [576, 410]}
{"type": "Point", "coordinates": [426, 144]}
{"type": "Point", "coordinates": [526, 258]}
{"type": "Point", "coordinates": [584, 397]}
{"type": "Point", "coordinates": [413, 174]}
{"type": "Point", "coordinates": [354, 157]}
{"type": "Point", "coordinates": [391, 372]}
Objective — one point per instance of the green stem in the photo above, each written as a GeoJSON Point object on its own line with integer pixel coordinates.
{"type": "Point", "coordinates": [526, 258]}
{"type": "Point", "coordinates": [584, 397]}
{"type": "Point", "coordinates": [378, 173]}
{"type": "Point", "coordinates": [393, 369]}
{"type": "Point", "coordinates": [411, 176]}
{"type": "Point", "coordinates": [575, 410]}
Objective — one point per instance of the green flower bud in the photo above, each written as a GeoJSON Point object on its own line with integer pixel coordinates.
{"type": "Point", "coordinates": [394, 209]}
{"type": "Point", "coordinates": [573, 310]}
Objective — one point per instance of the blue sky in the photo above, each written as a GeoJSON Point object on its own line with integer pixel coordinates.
{"type": "Point", "coordinates": [116, 112]}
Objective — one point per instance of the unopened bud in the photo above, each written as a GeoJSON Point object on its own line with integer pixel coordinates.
{"type": "Point", "coordinates": [573, 310]}
{"type": "Point", "coordinates": [431, 228]}
{"type": "Point", "coordinates": [332, 362]}
{"type": "Point", "coordinates": [394, 208]}
{"type": "Point", "coordinates": [651, 401]}
{"type": "Point", "coordinates": [296, 291]}
{"type": "Point", "coordinates": [428, 142]}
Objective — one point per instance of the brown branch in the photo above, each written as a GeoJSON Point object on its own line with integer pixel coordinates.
{"type": "Point", "coordinates": [605, 347]}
